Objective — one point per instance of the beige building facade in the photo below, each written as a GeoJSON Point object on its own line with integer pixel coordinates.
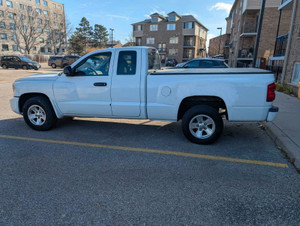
{"type": "Point", "coordinates": [180, 37]}
{"type": "Point", "coordinates": [32, 27]}
{"type": "Point", "coordinates": [242, 24]}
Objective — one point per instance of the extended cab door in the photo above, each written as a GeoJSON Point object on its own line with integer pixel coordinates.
{"type": "Point", "coordinates": [125, 90]}
{"type": "Point", "coordinates": [87, 92]}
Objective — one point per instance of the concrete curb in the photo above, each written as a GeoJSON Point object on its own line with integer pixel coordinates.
{"type": "Point", "coordinates": [283, 141]}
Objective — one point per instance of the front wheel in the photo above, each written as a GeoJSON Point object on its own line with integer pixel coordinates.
{"type": "Point", "coordinates": [39, 114]}
{"type": "Point", "coordinates": [202, 124]}
{"type": "Point", "coordinates": [25, 67]}
{"type": "Point", "coordinates": [53, 65]}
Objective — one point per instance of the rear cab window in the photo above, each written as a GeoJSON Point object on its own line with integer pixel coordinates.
{"type": "Point", "coordinates": [153, 60]}
{"type": "Point", "coordinates": [127, 63]}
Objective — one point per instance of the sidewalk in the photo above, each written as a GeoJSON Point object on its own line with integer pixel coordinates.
{"type": "Point", "coordinates": [285, 129]}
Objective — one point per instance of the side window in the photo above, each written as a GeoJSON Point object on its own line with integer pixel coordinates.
{"type": "Point", "coordinates": [192, 64]}
{"type": "Point", "coordinates": [127, 63]}
{"type": "Point", "coordinates": [206, 64]}
{"type": "Point", "coordinates": [94, 65]}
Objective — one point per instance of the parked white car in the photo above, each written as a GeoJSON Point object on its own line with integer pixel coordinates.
{"type": "Point", "coordinates": [128, 83]}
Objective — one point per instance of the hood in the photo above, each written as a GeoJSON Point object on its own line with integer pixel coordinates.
{"type": "Point", "coordinates": [40, 77]}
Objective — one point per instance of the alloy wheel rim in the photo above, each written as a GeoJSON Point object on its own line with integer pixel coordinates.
{"type": "Point", "coordinates": [202, 126]}
{"type": "Point", "coordinates": [36, 115]}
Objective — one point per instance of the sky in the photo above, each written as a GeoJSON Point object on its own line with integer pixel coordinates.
{"type": "Point", "coordinates": [120, 14]}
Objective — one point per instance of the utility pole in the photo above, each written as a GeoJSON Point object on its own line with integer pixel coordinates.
{"type": "Point", "coordinates": [112, 37]}
{"type": "Point", "coordinates": [219, 28]}
{"type": "Point", "coordinates": [261, 16]}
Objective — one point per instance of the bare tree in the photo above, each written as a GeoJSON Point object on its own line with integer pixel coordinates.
{"type": "Point", "coordinates": [130, 40]}
{"type": "Point", "coordinates": [26, 28]}
{"type": "Point", "coordinates": [57, 30]}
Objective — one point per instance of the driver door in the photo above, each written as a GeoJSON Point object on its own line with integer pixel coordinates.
{"type": "Point", "coordinates": [87, 92]}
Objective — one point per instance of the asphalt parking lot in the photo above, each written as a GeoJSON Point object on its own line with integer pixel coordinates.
{"type": "Point", "coordinates": [105, 171]}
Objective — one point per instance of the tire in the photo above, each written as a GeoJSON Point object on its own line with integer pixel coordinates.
{"type": "Point", "coordinates": [53, 65]}
{"type": "Point", "coordinates": [38, 113]}
{"type": "Point", "coordinates": [202, 124]}
{"type": "Point", "coordinates": [4, 66]}
{"type": "Point", "coordinates": [24, 67]}
{"type": "Point", "coordinates": [36, 69]}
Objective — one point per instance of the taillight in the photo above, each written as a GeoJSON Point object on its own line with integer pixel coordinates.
{"type": "Point", "coordinates": [271, 92]}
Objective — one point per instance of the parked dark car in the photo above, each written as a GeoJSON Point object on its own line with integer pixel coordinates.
{"type": "Point", "coordinates": [203, 63]}
{"type": "Point", "coordinates": [171, 62]}
{"type": "Point", "coordinates": [68, 60]}
{"type": "Point", "coordinates": [19, 62]}
{"type": "Point", "coordinates": [55, 61]}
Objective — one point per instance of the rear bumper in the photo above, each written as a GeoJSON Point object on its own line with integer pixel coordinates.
{"type": "Point", "coordinates": [14, 105]}
{"type": "Point", "coordinates": [273, 111]}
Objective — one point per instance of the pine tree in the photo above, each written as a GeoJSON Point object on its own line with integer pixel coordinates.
{"type": "Point", "coordinates": [99, 36]}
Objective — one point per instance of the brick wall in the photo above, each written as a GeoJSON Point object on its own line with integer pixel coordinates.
{"type": "Point", "coordinates": [294, 53]}
{"type": "Point", "coordinates": [214, 45]}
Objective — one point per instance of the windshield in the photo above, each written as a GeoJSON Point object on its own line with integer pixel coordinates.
{"type": "Point", "coordinates": [26, 59]}
{"type": "Point", "coordinates": [153, 60]}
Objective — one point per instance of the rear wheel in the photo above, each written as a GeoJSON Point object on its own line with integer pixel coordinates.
{"type": "Point", "coordinates": [53, 65]}
{"type": "Point", "coordinates": [24, 67]}
{"type": "Point", "coordinates": [4, 66]}
{"type": "Point", "coordinates": [39, 114]}
{"type": "Point", "coordinates": [202, 124]}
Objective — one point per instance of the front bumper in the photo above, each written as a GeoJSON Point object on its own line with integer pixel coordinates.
{"type": "Point", "coordinates": [273, 111]}
{"type": "Point", "coordinates": [14, 105]}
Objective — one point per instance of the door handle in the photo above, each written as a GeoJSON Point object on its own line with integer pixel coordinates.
{"type": "Point", "coordinates": [100, 84]}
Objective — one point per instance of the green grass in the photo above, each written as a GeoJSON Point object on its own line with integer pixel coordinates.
{"type": "Point", "coordinates": [284, 88]}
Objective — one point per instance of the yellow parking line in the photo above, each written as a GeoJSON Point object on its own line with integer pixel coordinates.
{"type": "Point", "coordinates": [211, 157]}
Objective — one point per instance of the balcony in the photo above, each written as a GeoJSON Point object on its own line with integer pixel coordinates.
{"type": "Point", "coordinates": [286, 4]}
{"type": "Point", "coordinates": [280, 45]}
{"type": "Point", "coordinates": [189, 42]}
{"type": "Point", "coordinates": [246, 54]}
{"type": "Point", "coordinates": [249, 29]}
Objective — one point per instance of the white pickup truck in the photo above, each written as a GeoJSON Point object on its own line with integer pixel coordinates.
{"type": "Point", "coordinates": [128, 83]}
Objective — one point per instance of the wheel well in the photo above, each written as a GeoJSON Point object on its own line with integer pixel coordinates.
{"type": "Point", "coordinates": [23, 98]}
{"type": "Point", "coordinates": [213, 101]}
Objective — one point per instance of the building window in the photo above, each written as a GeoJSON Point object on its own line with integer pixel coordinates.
{"type": "Point", "coordinates": [39, 20]}
{"type": "Point", "coordinates": [22, 6]}
{"type": "Point", "coordinates": [12, 26]}
{"type": "Point", "coordinates": [11, 16]}
{"type": "Point", "coordinates": [9, 4]}
{"type": "Point", "coordinates": [31, 18]}
{"type": "Point", "coordinates": [38, 11]}
{"type": "Point", "coordinates": [46, 13]}
{"type": "Point", "coordinates": [154, 19]}
{"type": "Point", "coordinates": [24, 27]}
{"type": "Point", "coordinates": [47, 22]}
{"type": "Point", "coordinates": [174, 40]}
{"type": "Point", "coordinates": [54, 15]}
{"type": "Point", "coordinates": [138, 41]}
{"type": "Point", "coordinates": [42, 40]}
{"type": "Point", "coordinates": [59, 7]}
{"type": "Point", "coordinates": [47, 31]}
{"type": "Point", "coordinates": [172, 18]}
{"type": "Point", "coordinates": [38, 2]}
{"type": "Point", "coordinates": [188, 25]}
{"type": "Point", "coordinates": [138, 27]}
{"type": "Point", "coordinates": [3, 36]}
{"type": "Point", "coordinates": [296, 74]}
{"type": "Point", "coordinates": [29, 8]}
{"type": "Point", "coordinates": [13, 37]}
{"type": "Point", "coordinates": [49, 50]}
{"type": "Point", "coordinates": [5, 47]}
{"type": "Point", "coordinates": [0, 2]}
{"type": "Point", "coordinates": [53, 5]}
{"type": "Point", "coordinates": [15, 48]}
{"type": "Point", "coordinates": [40, 30]}
{"type": "Point", "coordinates": [171, 27]}
{"type": "Point", "coordinates": [173, 52]}
{"type": "Point", "coordinates": [55, 24]}
{"type": "Point", "coordinates": [42, 49]}
{"type": "Point", "coordinates": [2, 25]}
{"type": "Point", "coordinates": [23, 17]}
{"type": "Point", "coordinates": [45, 3]}
{"type": "Point", "coordinates": [153, 27]}
{"type": "Point", "coordinates": [150, 40]}
{"type": "Point", "coordinates": [161, 47]}
{"type": "Point", "coordinates": [1, 13]}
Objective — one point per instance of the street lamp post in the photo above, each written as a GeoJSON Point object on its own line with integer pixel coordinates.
{"type": "Point", "coordinates": [112, 37]}
{"type": "Point", "coordinates": [219, 28]}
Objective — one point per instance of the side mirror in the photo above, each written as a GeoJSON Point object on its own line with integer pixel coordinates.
{"type": "Point", "coordinates": [68, 71]}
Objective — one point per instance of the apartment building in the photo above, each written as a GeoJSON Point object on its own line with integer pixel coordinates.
{"type": "Point", "coordinates": [285, 62]}
{"type": "Point", "coordinates": [32, 27]}
{"type": "Point", "coordinates": [219, 46]}
{"type": "Point", "coordinates": [243, 25]}
{"type": "Point", "coordinates": [180, 37]}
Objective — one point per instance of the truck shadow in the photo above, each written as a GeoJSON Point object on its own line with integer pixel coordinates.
{"type": "Point", "coordinates": [239, 141]}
